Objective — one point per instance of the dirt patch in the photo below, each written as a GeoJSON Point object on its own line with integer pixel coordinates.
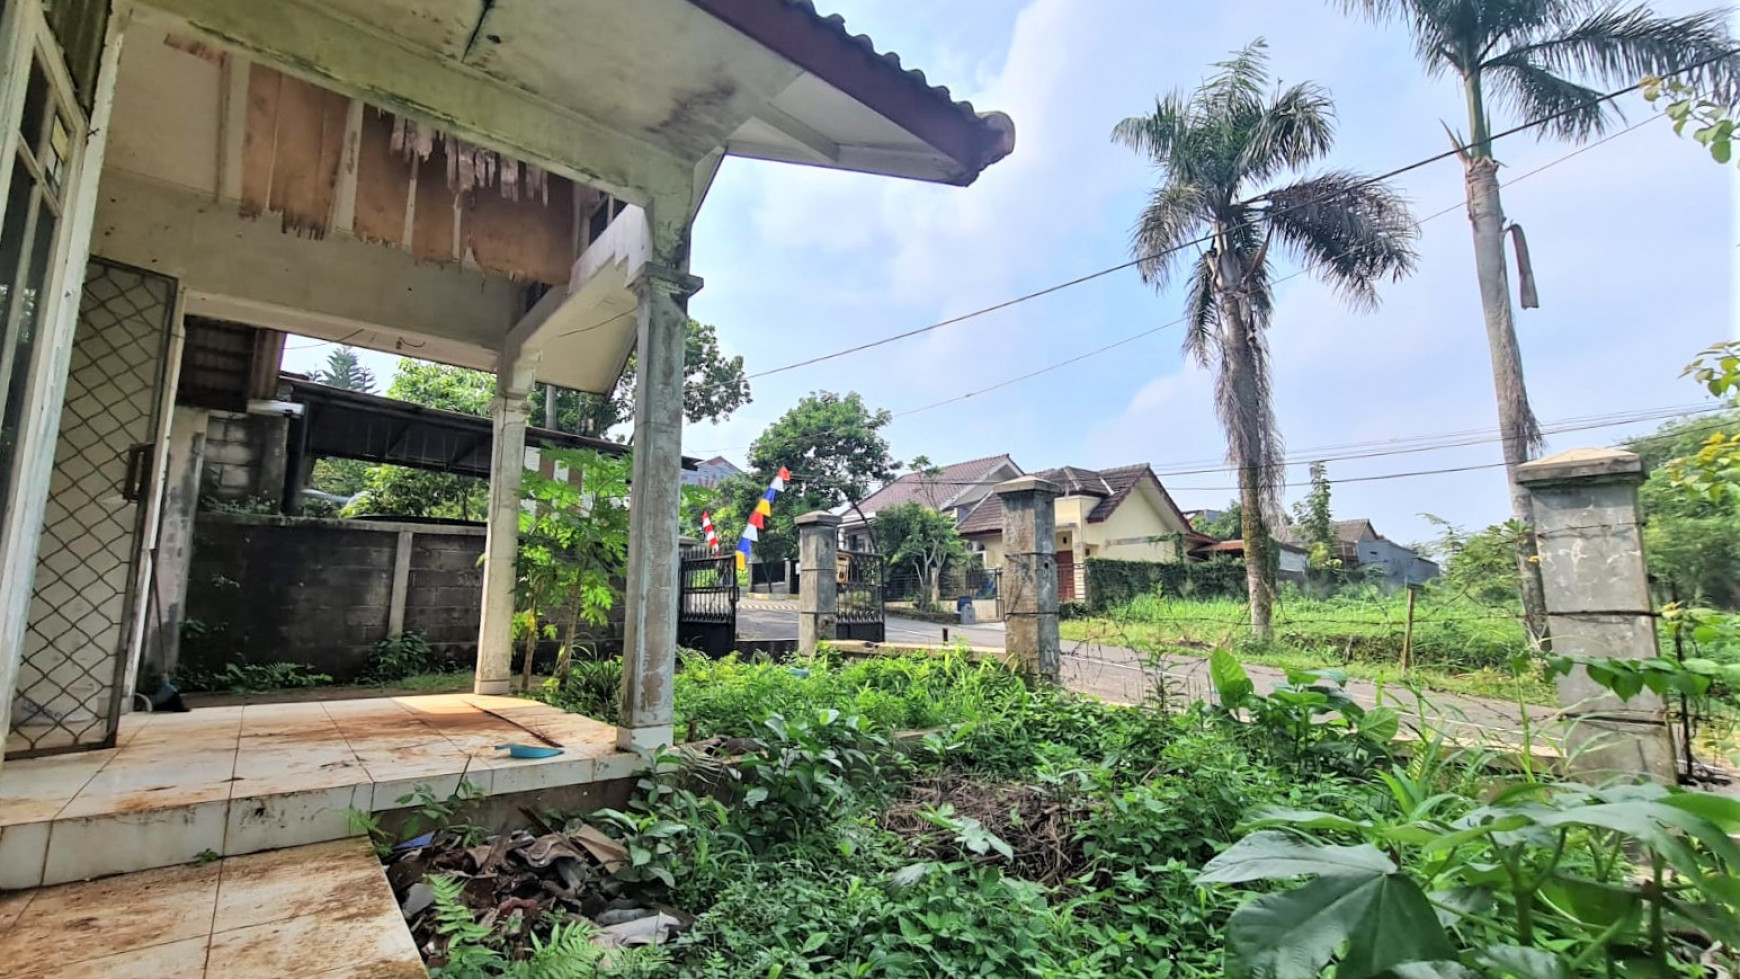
{"type": "Point", "coordinates": [1038, 825]}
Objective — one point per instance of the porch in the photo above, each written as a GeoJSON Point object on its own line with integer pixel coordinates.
{"type": "Point", "coordinates": [227, 781]}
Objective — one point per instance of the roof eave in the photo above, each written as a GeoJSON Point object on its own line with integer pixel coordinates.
{"type": "Point", "coordinates": [795, 31]}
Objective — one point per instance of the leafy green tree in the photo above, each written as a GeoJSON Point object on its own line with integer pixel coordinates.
{"type": "Point", "coordinates": [917, 538]}
{"type": "Point", "coordinates": [1538, 58]}
{"type": "Point", "coordinates": [403, 492]}
{"type": "Point", "coordinates": [344, 370]}
{"type": "Point", "coordinates": [1482, 564]}
{"type": "Point", "coordinates": [1235, 137]}
{"type": "Point", "coordinates": [1316, 524]}
{"type": "Point", "coordinates": [573, 547]}
{"type": "Point", "coordinates": [714, 386]}
{"type": "Point", "coordinates": [1691, 536]}
{"type": "Point", "coordinates": [833, 446]}
{"type": "Point", "coordinates": [1227, 524]}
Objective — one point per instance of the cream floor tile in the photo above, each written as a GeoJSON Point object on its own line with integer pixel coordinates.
{"type": "Point", "coordinates": [119, 843]}
{"type": "Point", "coordinates": [12, 904]}
{"type": "Point", "coordinates": [388, 791]}
{"type": "Point", "coordinates": [293, 819]}
{"type": "Point", "coordinates": [23, 854]}
{"type": "Point", "coordinates": [367, 934]}
{"type": "Point", "coordinates": [534, 776]}
{"type": "Point", "coordinates": [325, 879]}
{"type": "Point", "coordinates": [173, 960]}
{"type": "Point", "coordinates": [39, 788]}
{"type": "Point", "coordinates": [91, 920]}
{"type": "Point", "coordinates": [159, 783]}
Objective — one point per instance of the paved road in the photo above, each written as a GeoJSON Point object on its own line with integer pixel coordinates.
{"type": "Point", "coordinates": [1125, 675]}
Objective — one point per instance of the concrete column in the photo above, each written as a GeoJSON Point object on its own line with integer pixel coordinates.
{"type": "Point", "coordinates": [650, 629]}
{"type": "Point", "coordinates": [1029, 585]}
{"type": "Point", "coordinates": [495, 633]}
{"type": "Point", "coordinates": [1598, 605]}
{"type": "Point", "coordinates": [818, 588]}
{"type": "Point", "coordinates": [401, 583]}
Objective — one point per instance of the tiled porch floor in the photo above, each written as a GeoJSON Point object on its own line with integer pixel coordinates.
{"type": "Point", "coordinates": [322, 911]}
{"type": "Point", "coordinates": [236, 780]}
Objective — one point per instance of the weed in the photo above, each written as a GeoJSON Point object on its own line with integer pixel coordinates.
{"type": "Point", "coordinates": [250, 678]}
{"type": "Point", "coordinates": [396, 658]}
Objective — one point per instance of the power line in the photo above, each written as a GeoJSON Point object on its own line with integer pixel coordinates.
{"type": "Point", "coordinates": [1458, 150]}
{"type": "Point", "coordinates": [1292, 275]}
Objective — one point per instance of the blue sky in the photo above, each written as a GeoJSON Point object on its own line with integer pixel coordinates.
{"type": "Point", "coordinates": [1633, 243]}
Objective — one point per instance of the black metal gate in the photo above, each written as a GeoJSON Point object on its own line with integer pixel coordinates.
{"type": "Point", "coordinates": [859, 575]}
{"type": "Point", "coordinates": [707, 602]}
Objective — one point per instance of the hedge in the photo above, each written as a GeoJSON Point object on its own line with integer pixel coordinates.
{"type": "Point", "coordinates": [1114, 583]}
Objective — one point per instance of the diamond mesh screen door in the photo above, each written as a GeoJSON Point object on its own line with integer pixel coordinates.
{"type": "Point", "coordinates": [75, 646]}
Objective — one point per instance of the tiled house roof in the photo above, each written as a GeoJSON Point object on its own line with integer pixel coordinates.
{"type": "Point", "coordinates": [1113, 486]}
{"type": "Point", "coordinates": [951, 482]}
{"type": "Point", "coordinates": [1345, 531]}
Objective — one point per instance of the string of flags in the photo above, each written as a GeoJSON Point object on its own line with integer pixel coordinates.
{"type": "Point", "coordinates": [712, 535]}
{"type": "Point", "coordinates": [758, 519]}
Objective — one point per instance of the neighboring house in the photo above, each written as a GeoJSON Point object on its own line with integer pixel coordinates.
{"type": "Point", "coordinates": [954, 489]}
{"type": "Point", "coordinates": [1294, 560]}
{"type": "Point", "coordinates": [1358, 545]}
{"type": "Point", "coordinates": [1123, 513]}
{"type": "Point", "coordinates": [711, 473]}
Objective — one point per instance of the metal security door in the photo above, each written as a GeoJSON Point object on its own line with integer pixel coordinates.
{"type": "Point", "coordinates": [707, 602]}
{"type": "Point", "coordinates": [82, 604]}
{"type": "Point", "coordinates": [859, 577]}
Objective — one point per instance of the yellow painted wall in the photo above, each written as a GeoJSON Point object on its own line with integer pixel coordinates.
{"type": "Point", "coordinates": [1144, 514]}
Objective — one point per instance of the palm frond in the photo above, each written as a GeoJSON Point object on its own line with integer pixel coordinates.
{"type": "Point", "coordinates": [1572, 111]}
{"type": "Point", "coordinates": [1296, 128]}
{"type": "Point", "coordinates": [1617, 45]}
{"type": "Point", "coordinates": [1239, 84]}
{"type": "Point", "coordinates": [1155, 135]}
{"type": "Point", "coordinates": [1174, 213]}
{"type": "Point", "coordinates": [1349, 231]}
{"type": "Point", "coordinates": [1202, 312]}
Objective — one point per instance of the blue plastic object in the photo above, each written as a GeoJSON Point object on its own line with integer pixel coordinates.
{"type": "Point", "coordinates": [528, 751]}
{"type": "Point", "coordinates": [415, 842]}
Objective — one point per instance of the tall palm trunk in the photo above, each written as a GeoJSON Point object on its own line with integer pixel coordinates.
{"type": "Point", "coordinates": [1244, 418]}
{"type": "Point", "coordinates": [1518, 430]}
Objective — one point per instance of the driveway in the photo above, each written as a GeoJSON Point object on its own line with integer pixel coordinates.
{"type": "Point", "coordinates": [1125, 675]}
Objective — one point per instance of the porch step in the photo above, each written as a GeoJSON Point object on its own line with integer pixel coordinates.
{"type": "Point", "coordinates": [226, 781]}
{"type": "Point", "coordinates": [304, 911]}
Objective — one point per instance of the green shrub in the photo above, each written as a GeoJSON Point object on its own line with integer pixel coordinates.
{"type": "Point", "coordinates": [1111, 584]}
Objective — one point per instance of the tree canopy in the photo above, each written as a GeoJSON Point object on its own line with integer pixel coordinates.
{"type": "Point", "coordinates": [833, 446]}
{"type": "Point", "coordinates": [403, 492]}
{"type": "Point", "coordinates": [344, 370]}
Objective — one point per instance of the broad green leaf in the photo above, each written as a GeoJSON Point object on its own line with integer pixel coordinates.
{"type": "Point", "coordinates": [1380, 724]}
{"type": "Point", "coordinates": [1433, 970]}
{"type": "Point", "coordinates": [1268, 816]}
{"type": "Point", "coordinates": [1384, 917]}
{"type": "Point", "coordinates": [1502, 824]}
{"type": "Point", "coordinates": [1458, 901]}
{"type": "Point", "coordinates": [1648, 822]}
{"type": "Point", "coordinates": [1528, 963]}
{"type": "Point", "coordinates": [1269, 855]}
{"type": "Point", "coordinates": [1723, 810]}
{"type": "Point", "coordinates": [1590, 902]}
{"type": "Point", "coordinates": [1717, 922]}
{"type": "Point", "coordinates": [1231, 682]}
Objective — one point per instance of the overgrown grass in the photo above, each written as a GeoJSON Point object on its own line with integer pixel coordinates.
{"type": "Point", "coordinates": [1459, 646]}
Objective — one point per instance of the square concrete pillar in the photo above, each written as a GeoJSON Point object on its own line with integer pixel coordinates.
{"type": "Point", "coordinates": [649, 640]}
{"type": "Point", "coordinates": [818, 587]}
{"type": "Point", "coordinates": [1029, 585]}
{"type": "Point", "coordinates": [1598, 605]}
{"type": "Point", "coordinates": [495, 632]}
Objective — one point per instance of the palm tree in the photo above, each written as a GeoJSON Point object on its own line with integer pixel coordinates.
{"type": "Point", "coordinates": [1219, 151]}
{"type": "Point", "coordinates": [1535, 58]}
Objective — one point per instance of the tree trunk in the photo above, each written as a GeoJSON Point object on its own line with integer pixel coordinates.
{"type": "Point", "coordinates": [550, 406]}
{"type": "Point", "coordinates": [1521, 435]}
{"type": "Point", "coordinates": [1241, 419]}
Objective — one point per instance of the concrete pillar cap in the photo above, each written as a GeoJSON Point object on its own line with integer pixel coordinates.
{"type": "Point", "coordinates": [1582, 465]}
{"type": "Point", "coordinates": [1027, 484]}
{"type": "Point", "coordinates": [818, 518]}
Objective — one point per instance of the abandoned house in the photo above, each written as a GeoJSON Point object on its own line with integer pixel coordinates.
{"type": "Point", "coordinates": [503, 186]}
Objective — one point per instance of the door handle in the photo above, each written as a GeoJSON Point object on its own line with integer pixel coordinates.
{"type": "Point", "coordinates": [139, 459]}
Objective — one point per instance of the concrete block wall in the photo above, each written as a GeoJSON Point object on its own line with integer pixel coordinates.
{"type": "Point", "coordinates": [244, 456]}
{"type": "Point", "coordinates": [265, 589]}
